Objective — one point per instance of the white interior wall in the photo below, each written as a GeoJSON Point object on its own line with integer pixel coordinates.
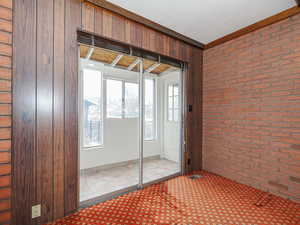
{"type": "Point", "coordinates": [171, 129]}
{"type": "Point", "coordinates": [121, 135]}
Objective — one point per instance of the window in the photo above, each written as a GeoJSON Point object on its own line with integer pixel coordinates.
{"type": "Point", "coordinates": [173, 102]}
{"type": "Point", "coordinates": [131, 100]}
{"type": "Point", "coordinates": [150, 124]}
{"type": "Point", "coordinates": [92, 108]}
{"type": "Point", "coordinates": [114, 99]}
{"type": "Point", "coordinates": [122, 99]}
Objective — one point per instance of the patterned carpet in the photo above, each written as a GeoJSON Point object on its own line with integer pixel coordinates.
{"type": "Point", "coordinates": [183, 201]}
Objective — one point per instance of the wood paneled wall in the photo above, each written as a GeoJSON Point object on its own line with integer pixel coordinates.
{"type": "Point", "coordinates": [5, 109]}
{"type": "Point", "coordinates": [45, 68]}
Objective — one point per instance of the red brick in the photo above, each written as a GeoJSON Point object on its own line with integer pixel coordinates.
{"type": "Point", "coordinates": [5, 97]}
{"type": "Point", "coordinates": [5, 193]}
{"type": "Point", "coordinates": [5, 181]}
{"type": "Point", "coordinates": [5, 49]}
{"type": "Point", "coordinates": [5, 25]}
{"type": "Point", "coordinates": [5, 37]}
{"type": "Point", "coordinates": [4, 157]}
{"type": "Point", "coordinates": [5, 73]}
{"type": "Point", "coordinates": [5, 13]}
{"type": "Point", "coordinates": [5, 121]}
{"type": "Point", "coordinates": [5, 61]}
{"type": "Point", "coordinates": [5, 133]}
{"type": "Point", "coordinates": [5, 217]}
{"type": "Point", "coordinates": [5, 205]}
{"type": "Point", "coordinates": [5, 145]}
{"type": "Point", "coordinates": [6, 3]}
{"type": "Point", "coordinates": [5, 169]}
{"type": "Point", "coordinates": [5, 109]}
{"type": "Point", "coordinates": [252, 134]}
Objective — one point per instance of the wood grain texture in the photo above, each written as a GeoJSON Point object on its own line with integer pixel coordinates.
{"type": "Point", "coordinates": [72, 22]}
{"type": "Point", "coordinates": [44, 110]}
{"type": "Point", "coordinates": [256, 26]}
{"type": "Point", "coordinates": [45, 83]}
{"type": "Point", "coordinates": [24, 107]}
{"type": "Point", "coordinates": [143, 21]}
{"type": "Point", "coordinates": [58, 109]}
{"type": "Point", "coordinates": [196, 76]}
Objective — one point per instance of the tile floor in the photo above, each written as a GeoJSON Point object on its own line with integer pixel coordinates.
{"type": "Point", "coordinates": [96, 183]}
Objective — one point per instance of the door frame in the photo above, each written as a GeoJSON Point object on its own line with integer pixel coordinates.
{"type": "Point", "coordinates": [183, 127]}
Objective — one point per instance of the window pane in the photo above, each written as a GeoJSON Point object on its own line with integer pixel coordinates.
{"type": "Point", "coordinates": [176, 115]}
{"type": "Point", "coordinates": [114, 99]}
{"type": "Point", "coordinates": [149, 110]}
{"type": "Point", "coordinates": [176, 101]}
{"type": "Point", "coordinates": [131, 100]}
{"type": "Point", "coordinates": [170, 114]}
{"type": "Point", "coordinates": [92, 121]}
{"type": "Point", "coordinates": [176, 89]}
{"type": "Point", "coordinates": [149, 99]}
{"type": "Point", "coordinates": [149, 130]}
{"type": "Point", "coordinates": [170, 90]}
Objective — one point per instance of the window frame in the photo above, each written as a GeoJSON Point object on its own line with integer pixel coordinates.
{"type": "Point", "coordinates": [123, 96]}
{"type": "Point", "coordinates": [123, 101]}
{"type": "Point", "coordinates": [152, 77]}
{"type": "Point", "coordinates": [174, 84]}
{"type": "Point", "coordinates": [99, 68]}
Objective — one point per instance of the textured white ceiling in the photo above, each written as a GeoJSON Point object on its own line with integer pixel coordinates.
{"type": "Point", "coordinates": [205, 20]}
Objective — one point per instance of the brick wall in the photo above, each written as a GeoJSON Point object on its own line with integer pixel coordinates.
{"type": "Point", "coordinates": [5, 108]}
{"type": "Point", "coordinates": [251, 119]}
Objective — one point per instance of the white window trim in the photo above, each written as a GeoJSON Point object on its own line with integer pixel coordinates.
{"type": "Point", "coordinates": [155, 136]}
{"type": "Point", "coordinates": [167, 99]}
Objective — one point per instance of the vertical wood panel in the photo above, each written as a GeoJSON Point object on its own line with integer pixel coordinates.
{"type": "Point", "coordinates": [58, 108]}
{"type": "Point", "coordinates": [174, 48]}
{"type": "Point", "coordinates": [88, 17]}
{"type": "Point", "coordinates": [24, 95]}
{"type": "Point", "coordinates": [127, 31]}
{"type": "Point", "coordinates": [118, 28]}
{"type": "Point", "coordinates": [159, 43]}
{"type": "Point", "coordinates": [44, 152]}
{"type": "Point", "coordinates": [72, 22]}
{"type": "Point", "coordinates": [107, 24]}
{"type": "Point", "coordinates": [99, 21]}
{"type": "Point", "coordinates": [196, 73]}
{"type": "Point", "coordinates": [136, 34]}
{"type": "Point", "coordinates": [52, 164]}
{"type": "Point", "coordinates": [146, 38]}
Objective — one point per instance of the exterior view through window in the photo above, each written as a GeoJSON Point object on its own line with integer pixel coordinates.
{"type": "Point", "coordinates": [92, 108]}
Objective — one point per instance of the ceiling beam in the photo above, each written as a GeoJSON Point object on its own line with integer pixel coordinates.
{"type": "Point", "coordinates": [132, 65]}
{"type": "Point", "coordinates": [90, 53]}
{"type": "Point", "coordinates": [153, 67]}
{"type": "Point", "coordinates": [142, 20]}
{"type": "Point", "coordinates": [116, 60]}
{"type": "Point", "coordinates": [256, 26]}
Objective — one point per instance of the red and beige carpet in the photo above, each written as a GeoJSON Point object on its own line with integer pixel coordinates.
{"type": "Point", "coordinates": [183, 201]}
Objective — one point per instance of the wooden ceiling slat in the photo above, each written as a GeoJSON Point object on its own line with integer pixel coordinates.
{"type": "Point", "coordinates": [106, 56]}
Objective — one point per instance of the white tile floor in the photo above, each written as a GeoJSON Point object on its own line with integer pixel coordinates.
{"type": "Point", "coordinates": [96, 183]}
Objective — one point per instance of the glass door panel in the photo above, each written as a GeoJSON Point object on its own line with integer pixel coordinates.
{"type": "Point", "coordinates": [110, 148]}
{"type": "Point", "coordinates": [162, 123]}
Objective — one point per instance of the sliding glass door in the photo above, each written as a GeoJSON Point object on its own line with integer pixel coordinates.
{"type": "Point", "coordinates": [130, 118]}
{"type": "Point", "coordinates": [162, 124]}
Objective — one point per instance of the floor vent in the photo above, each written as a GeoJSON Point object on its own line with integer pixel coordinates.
{"type": "Point", "coordinates": [195, 176]}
